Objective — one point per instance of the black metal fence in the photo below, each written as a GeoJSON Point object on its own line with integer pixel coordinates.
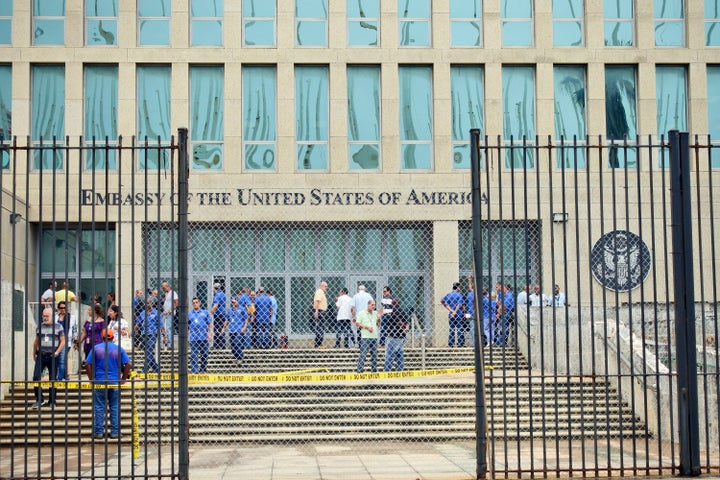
{"type": "Point", "coordinates": [622, 351]}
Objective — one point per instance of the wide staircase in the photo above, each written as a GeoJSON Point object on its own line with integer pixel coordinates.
{"type": "Point", "coordinates": [520, 405]}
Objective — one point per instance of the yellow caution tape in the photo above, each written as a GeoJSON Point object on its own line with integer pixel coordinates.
{"type": "Point", "coordinates": [154, 380]}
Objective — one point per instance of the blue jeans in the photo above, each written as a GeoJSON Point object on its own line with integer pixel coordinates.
{"type": "Point", "coordinates": [343, 328]}
{"type": "Point", "coordinates": [168, 322]}
{"type": "Point", "coordinates": [149, 346]}
{"type": "Point", "coordinates": [102, 397]}
{"type": "Point", "coordinates": [394, 353]}
{"type": "Point", "coordinates": [262, 334]}
{"type": "Point", "coordinates": [368, 345]}
{"type": "Point", "coordinates": [457, 326]}
{"type": "Point", "coordinates": [62, 364]}
{"type": "Point", "coordinates": [199, 351]}
{"type": "Point", "coordinates": [237, 344]}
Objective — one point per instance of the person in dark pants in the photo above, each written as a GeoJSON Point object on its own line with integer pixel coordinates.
{"type": "Point", "coordinates": [49, 343]}
{"type": "Point", "coordinates": [103, 365]}
{"type": "Point", "coordinates": [218, 313]}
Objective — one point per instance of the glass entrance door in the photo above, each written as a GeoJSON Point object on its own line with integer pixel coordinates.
{"type": "Point", "coordinates": [373, 285]}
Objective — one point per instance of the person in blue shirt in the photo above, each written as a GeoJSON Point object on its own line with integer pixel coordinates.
{"type": "Point", "coordinates": [236, 322]}
{"type": "Point", "coordinates": [454, 303]}
{"type": "Point", "coordinates": [263, 318]}
{"type": "Point", "coordinates": [149, 323]}
{"type": "Point", "coordinates": [104, 365]}
{"type": "Point", "coordinates": [489, 311]}
{"type": "Point", "coordinates": [470, 309]}
{"type": "Point", "coordinates": [218, 313]}
{"type": "Point", "coordinates": [506, 313]}
{"type": "Point", "coordinates": [200, 336]}
{"type": "Point", "coordinates": [244, 304]}
{"type": "Point", "coordinates": [273, 320]}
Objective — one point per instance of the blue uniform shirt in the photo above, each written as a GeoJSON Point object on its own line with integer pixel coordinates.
{"type": "Point", "coordinates": [263, 304]}
{"type": "Point", "coordinates": [235, 319]}
{"type": "Point", "coordinates": [149, 322]}
{"type": "Point", "coordinates": [198, 323]}
{"type": "Point", "coordinates": [219, 299]}
{"type": "Point", "coordinates": [470, 303]}
{"type": "Point", "coordinates": [452, 300]}
{"type": "Point", "coordinates": [109, 359]}
{"type": "Point", "coordinates": [244, 302]}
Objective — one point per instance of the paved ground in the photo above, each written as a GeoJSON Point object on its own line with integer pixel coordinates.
{"type": "Point", "coordinates": [447, 461]}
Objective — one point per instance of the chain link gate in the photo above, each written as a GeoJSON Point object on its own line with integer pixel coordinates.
{"type": "Point", "coordinates": [595, 317]}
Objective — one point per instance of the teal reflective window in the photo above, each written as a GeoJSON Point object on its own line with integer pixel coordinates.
{"type": "Point", "coordinates": [207, 99]}
{"type": "Point", "coordinates": [153, 115]}
{"type": "Point", "coordinates": [272, 250]}
{"type": "Point", "coordinates": [6, 11]}
{"type": "Point", "coordinates": [518, 92]}
{"type": "Point", "coordinates": [414, 17]}
{"type": "Point", "coordinates": [365, 258]}
{"type": "Point", "coordinates": [48, 114]}
{"type": "Point", "coordinates": [206, 23]}
{"type": "Point", "coordinates": [363, 83]}
{"type": "Point", "coordinates": [259, 23]}
{"type": "Point", "coordinates": [619, 23]}
{"type": "Point", "coordinates": [153, 22]}
{"type": "Point", "coordinates": [311, 18]}
{"type": "Point", "coordinates": [101, 22]}
{"type": "Point", "coordinates": [568, 23]}
{"type": "Point", "coordinates": [406, 249]}
{"type": "Point", "coordinates": [260, 117]}
{"type": "Point", "coordinates": [207, 251]}
{"type": "Point", "coordinates": [671, 98]}
{"type": "Point", "coordinates": [712, 23]}
{"type": "Point", "coordinates": [466, 23]}
{"type": "Point", "coordinates": [58, 251]}
{"type": "Point", "coordinates": [570, 115]}
{"type": "Point", "coordinates": [416, 117]}
{"type": "Point", "coordinates": [302, 250]}
{"type": "Point", "coordinates": [713, 96]}
{"type": "Point", "coordinates": [363, 20]}
{"type": "Point", "coordinates": [333, 249]}
{"type": "Point", "coordinates": [669, 23]}
{"type": "Point", "coordinates": [312, 117]}
{"type": "Point", "coordinates": [161, 248]}
{"type": "Point", "coordinates": [101, 114]}
{"type": "Point", "coordinates": [517, 23]}
{"type": "Point", "coordinates": [48, 22]}
{"type": "Point", "coordinates": [97, 251]}
{"type": "Point", "coordinates": [466, 95]}
{"type": "Point", "coordinates": [621, 114]}
{"type": "Point", "coordinates": [5, 111]}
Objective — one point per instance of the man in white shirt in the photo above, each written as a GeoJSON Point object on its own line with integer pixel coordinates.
{"type": "Point", "coordinates": [522, 297]}
{"type": "Point", "coordinates": [170, 304]}
{"type": "Point", "coordinates": [558, 299]}
{"type": "Point", "coordinates": [344, 304]}
{"type": "Point", "coordinates": [537, 298]}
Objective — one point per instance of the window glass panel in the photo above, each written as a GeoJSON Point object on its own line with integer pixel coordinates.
{"type": "Point", "coordinates": [414, 22]}
{"type": "Point", "coordinates": [517, 27]}
{"type": "Point", "coordinates": [153, 114]}
{"type": "Point", "coordinates": [48, 22]}
{"type": "Point", "coordinates": [712, 23]}
{"type": "Point", "coordinates": [206, 116]}
{"type": "Point", "coordinates": [272, 250]}
{"type": "Point", "coordinates": [206, 8]}
{"type": "Point", "coordinates": [154, 22]}
{"type": "Point", "coordinates": [466, 34]}
{"type": "Point", "coordinates": [301, 289]}
{"type": "Point", "coordinates": [713, 96]}
{"type": "Point", "coordinates": [48, 8]}
{"type": "Point", "coordinates": [302, 250]}
{"type": "Point", "coordinates": [259, 8]}
{"type": "Point", "coordinates": [570, 117]}
{"type": "Point", "coordinates": [407, 249]}
{"type": "Point", "coordinates": [312, 114]}
{"type": "Point", "coordinates": [5, 106]}
{"type": "Point", "coordinates": [259, 117]}
{"type": "Point", "coordinates": [101, 109]}
{"type": "Point", "coordinates": [568, 21]}
{"type": "Point", "coordinates": [206, 22]}
{"type": "Point", "coordinates": [101, 18]}
{"type": "Point", "coordinates": [58, 252]}
{"type": "Point", "coordinates": [671, 95]}
{"type": "Point", "coordinates": [97, 251]}
{"type": "Point", "coordinates": [6, 11]}
{"type": "Point", "coordinates": [363, 21]}
{"type": "Point", "coordinates": [242, 250]}
{"type": "Point", "coordinates": [259, 23]}
{"type": "Point", "coordinates": [363, 85]}
{"type": "Point", "coordinates": [619, 23]}
{"type": "Point", "coordinates": [669, 23]}
{"type": "Point", "coordinates": [333, 249]}
{"type": "Point", "coordinates": [365, 258]}
{"type": "Point", "coordinates": [519, 113]}
{"type": "Point", "coordinates": [411, 290]}
{"type": "Point", "coordinates": [48, 113]}
{"type": "Point", "coordinates": [466, 92]}
{"type": "Point", "coordinates": [416, 118]}
{"type": "Point", "coordinates": [6, 8]}
{"type": "Point", "coordinates": [620, 112]}
{"type": "Point", "coordinates": [567, 9]}
{"type": "Point", "coordinates": [208, 251]}
{"type": "Point", "coordinates": [161, 250]}
{"type": "Point", "coordinates": [311, 22]}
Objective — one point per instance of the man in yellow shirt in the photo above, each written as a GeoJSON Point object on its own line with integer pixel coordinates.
{"type": "Point", "coordinates": [65, 294]}
{"type": "Point", "coordinates": [320, 306]}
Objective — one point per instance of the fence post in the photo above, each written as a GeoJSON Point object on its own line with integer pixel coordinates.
{"type": "Point", "coordinates": [480, 415]}
{"type": "Point", "coordinates": [183, 418]}
{"type": "Point", "coordinates": [684, 294]}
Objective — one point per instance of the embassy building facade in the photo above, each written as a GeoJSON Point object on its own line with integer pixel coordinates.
{"type": "Point", "coordinates": [330, 139]}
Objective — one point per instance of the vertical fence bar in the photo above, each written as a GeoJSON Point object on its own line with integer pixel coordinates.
{"type": "Point", "coordinates": [684, 290]}
{"type": "Point", "coordinates": [480, 417]}
{"type": "Point", "coordinates": [183, 175]}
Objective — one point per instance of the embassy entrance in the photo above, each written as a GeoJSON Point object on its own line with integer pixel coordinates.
{"type": "Point", "coordinates": [291, 259]}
